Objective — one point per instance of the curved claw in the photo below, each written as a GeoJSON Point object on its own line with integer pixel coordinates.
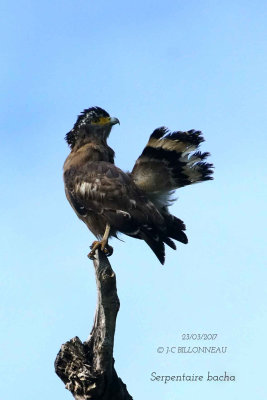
{"type": "Point", "coordinates": [91, 255]}
{"type": "Point", "coordinates": [102, 244]}
{"type": "Point", "coordinates": [108, 250]}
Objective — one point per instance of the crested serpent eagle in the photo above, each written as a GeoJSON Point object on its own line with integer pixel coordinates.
{"type": "Point", "coordinates": [135, 203]}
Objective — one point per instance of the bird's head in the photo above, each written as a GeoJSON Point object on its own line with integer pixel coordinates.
{"type": "Point", "coordinates": [94, 122]}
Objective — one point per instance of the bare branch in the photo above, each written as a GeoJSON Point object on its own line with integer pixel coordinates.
{"type": "Point", "coordinates": [87, 369]}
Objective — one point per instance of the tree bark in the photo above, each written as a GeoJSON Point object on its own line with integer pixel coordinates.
{"type": "Point", "coordinates": [87, 369]}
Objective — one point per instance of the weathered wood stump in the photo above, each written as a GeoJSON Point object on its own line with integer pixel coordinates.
{"type": "Point", "coordinates": [87, 369]}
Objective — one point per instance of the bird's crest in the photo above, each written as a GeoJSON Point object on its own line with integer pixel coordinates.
{"type": "Point", "coordinates": [89, 116]}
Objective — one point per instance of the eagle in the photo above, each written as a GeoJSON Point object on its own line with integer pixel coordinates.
{"type": "Point", "coordinates": [134, 203]}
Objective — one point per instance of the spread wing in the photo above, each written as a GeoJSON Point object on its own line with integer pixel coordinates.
{"type": "Point", "coordinates": [170, 161]}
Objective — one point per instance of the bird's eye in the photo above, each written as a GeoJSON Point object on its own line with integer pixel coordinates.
{"type": "Point", "coordinates": [95, 120]}
{"type": "Point", "coordinates": [100, 120]}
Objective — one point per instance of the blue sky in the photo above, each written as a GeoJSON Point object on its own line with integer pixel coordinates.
{"type": "Point", "coordinates": [182, 64]}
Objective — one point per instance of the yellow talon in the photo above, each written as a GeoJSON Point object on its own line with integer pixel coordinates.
{"type": "Point", "coordinates": [106, 248]}
{"type": "Point", "coordinates": [103, 244]}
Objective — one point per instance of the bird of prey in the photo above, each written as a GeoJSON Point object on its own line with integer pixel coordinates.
{"type": "Point", "coordinates": [135, 203]}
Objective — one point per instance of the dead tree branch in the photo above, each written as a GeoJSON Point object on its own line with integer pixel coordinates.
{"type": "Point", "coordinates": [87, 369]}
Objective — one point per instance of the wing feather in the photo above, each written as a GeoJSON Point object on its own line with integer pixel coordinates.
{"type": "Point", "coordinates": [103, 189]}
{"type": "Point", "coordinates": [170, 161]}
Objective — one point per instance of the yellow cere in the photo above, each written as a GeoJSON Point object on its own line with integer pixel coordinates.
{"type": "Point", "coordinates": [102, 121]}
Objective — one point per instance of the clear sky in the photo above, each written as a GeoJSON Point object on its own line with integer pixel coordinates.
{"type": "Point", "coordinates": [182, 64]}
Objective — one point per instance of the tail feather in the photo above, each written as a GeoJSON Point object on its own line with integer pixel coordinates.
{"type": "Point", "coordinates": [156, 245]}
{"type": "Point", "coordinates": [175, 228]}
{"type": "Point", "coordinates": [169, 242]}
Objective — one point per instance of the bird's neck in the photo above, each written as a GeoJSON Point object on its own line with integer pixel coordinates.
{"type": "Point", "coordinates": [99, 151]}
{"type": "Point", "coordinates": [90, 150]}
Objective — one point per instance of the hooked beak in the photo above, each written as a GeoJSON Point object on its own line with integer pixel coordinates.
{"type": "Point", "coordinates": [114, 121]}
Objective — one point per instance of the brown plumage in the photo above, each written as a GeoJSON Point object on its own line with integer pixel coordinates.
{"type": "Point", "coordinates": [109, 200]}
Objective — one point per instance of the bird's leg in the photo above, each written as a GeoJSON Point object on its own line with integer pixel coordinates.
{"type": "Point", "coordinates": [103, 244]}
